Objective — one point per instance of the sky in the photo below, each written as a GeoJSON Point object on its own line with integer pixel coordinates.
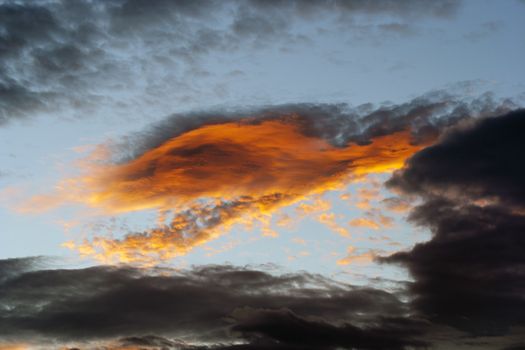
{"type": "Point", "coordinates": [262, 174]}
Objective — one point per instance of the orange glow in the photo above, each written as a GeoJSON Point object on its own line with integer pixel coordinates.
{"type": "Point", "coordinates": [13, 347]}
{"type": "Point", "coordinates": [227, 173]}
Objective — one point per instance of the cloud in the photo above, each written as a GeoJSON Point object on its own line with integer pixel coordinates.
{"type": "Point", "coordinates": [469, 275]}
{"type": "Point", "coordinates": [329, 219]}
{"type": "Point", "coordinates": [286, 327]}
{"type": "Point", "coordinates": [64, 55]}
{"type": "Point", "coordinates": [214, 170]}
{"type": "Point", "coordinates": [14, 266]}
{"type": "Point", "coordinates": [338, 124]}
{"type": "Point", "coordinates": [237, 170]}
{"type": "Point", "coordinates": [396, 204]}
{"type": "Point", "coordinates": [211, 307]}
{"type": "Point", "coordinates": [364, 222]}
{"type": "Point", "coordinates": [353, 258]}
{"type": "Point", "coordinates": [373, 219]}
{"type": "Point", "coordinates": [366, 195]}
{"type": "Point", "coordinates": [519, 346]}
{"type": "Point", "coordinates": [474, 163]}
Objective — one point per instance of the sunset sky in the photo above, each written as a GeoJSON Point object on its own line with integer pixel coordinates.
{"type": "Point", "coordinates": [262, 174]}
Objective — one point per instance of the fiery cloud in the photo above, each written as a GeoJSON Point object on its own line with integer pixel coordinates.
{"type": "Point", "coordinates": [215, 176]}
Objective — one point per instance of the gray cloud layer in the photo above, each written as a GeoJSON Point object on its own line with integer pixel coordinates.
{"type": "Point", "coordinates": [79, 54]}
{"type": "Point", "coordinates": [214, 304]}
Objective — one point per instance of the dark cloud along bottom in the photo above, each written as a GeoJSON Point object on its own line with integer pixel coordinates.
{"type": "Point", "coordinates": [212, 307]}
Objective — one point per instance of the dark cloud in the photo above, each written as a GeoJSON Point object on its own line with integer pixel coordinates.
{"type": "Point", "coordinates": [520, 346]}
{"type": "Point", "coordinates": [477, 163]}
{"type": "Point", "coordinates": [15, 100]}
{"type": "Point", "coordinates": [16, 266]}
{"type": "Point", "coordinates": [77, 53]}
{"type": "Point", "coordinates": [426, 117]}
{"type": "Point", "coordinates": [443, 8]}
{"type": "Point", "coordinates": [210, 304]}
{"type": "Point", "coordinates": [153, 341]}
{"type": "Point", "coordinates": [286, 327]}
{"type": "Point", "coordinates": [283, 329]}
{"type": "Point", "coordinates": [471, 274]}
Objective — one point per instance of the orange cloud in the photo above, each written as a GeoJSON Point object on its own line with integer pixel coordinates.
{"type": "Point", "coordinates": [284, 220]}
{"type": "Point", "coordinates": [373, 219]}
{"type": "Point", "coordinates": [384, 220]}
{"type": "Point", "coordinates": [365, 196]}
{"type": "Point", "coordinates": [352, 258]}
{"type": "Point", "coordinates": [364, 222]}
{"type": "Point", "coordinates": [191, 228]}
{"type": "Point", "coordinates": [216, 176]}
{"type": "Point", "coordinates": [318, 205]}
{"type": "Point", "coordinates": [329, 220]}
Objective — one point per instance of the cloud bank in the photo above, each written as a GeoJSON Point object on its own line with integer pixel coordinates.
{"type": "Point", "coordinates": [209, 307]}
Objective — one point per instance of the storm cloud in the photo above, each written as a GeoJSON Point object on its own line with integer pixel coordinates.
{"type": "Point", "coordinates": [471, 274]}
